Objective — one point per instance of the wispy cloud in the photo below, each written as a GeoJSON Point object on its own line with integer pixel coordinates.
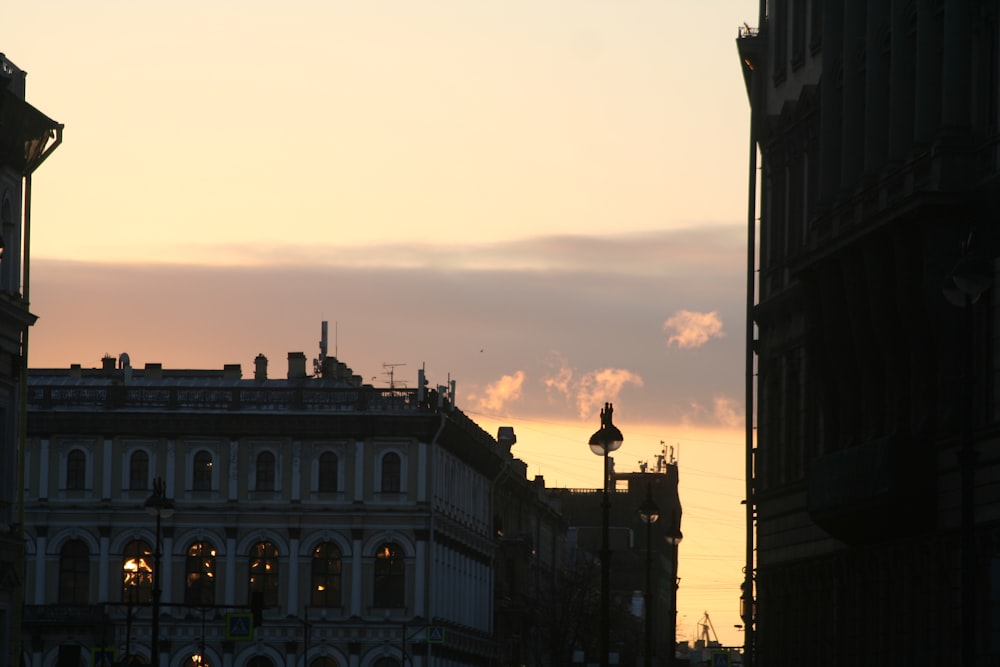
{"type": "Point", "coordinates": [690, 329]}
{"type": "Point", "coordinates": [723, 411]}
{"type": "Point", "coordinates": [589, 391]}
{"type": "Point", "coordinates": [507, 389]}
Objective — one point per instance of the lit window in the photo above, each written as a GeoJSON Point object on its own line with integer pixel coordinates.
{"type": "Point", "coordinates": [390, 576]}
{"type": "Point", "coordinates": [264, 573]}
{"type": "Point", "coordinates": [137, 573]}
{"type": "Point", "coordinates": [201, 477]}
{"type": "Point", "coordinates": [326, 568]}
{"type": "Point", "coordinates": [199, 575]}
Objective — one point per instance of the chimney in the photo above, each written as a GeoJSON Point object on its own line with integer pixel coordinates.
{"type": "Point", "coordinates": [154, 372]}
{"type": "Point", "coordinates": [232, 372]}
{"type": "Point", "coordinates": [108, 363]}
{"type": "Point", "coordinates": [75, 371]}
{"type": "Point", "coordinates": [506, 437]}
{"type": "Point", "coordinates": [296, 365]}
{"type": "Point", "coordinates": [260, 368]}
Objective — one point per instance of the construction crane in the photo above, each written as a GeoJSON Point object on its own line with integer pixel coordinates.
{"type": "Point", "coordinates": [704, 625]}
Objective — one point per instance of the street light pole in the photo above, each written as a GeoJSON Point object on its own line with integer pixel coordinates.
{"type": "Point", "coordinates": [649, 513]}
{"type": "Point", "coordinates": [604, 441]}
{"type": "Point", "coordinates": [161, 507]}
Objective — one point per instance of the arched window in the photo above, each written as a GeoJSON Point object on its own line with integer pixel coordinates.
{"type": "Point", "coordinates": [74, 573]}
{"type": "Point", "coordinates": [265, 472]}
{"type": "Point", "coordinates": [199, 575]}
{"type": "Point", "coordinates": [327, 482]}
{"type": "Point", "coordinates": [326, 581]}
{"type": "Point", "coordinates": [76, 470]}
{"type": "Point", "coordinates": [260, 661]}
{"type": "Point", "coordinates": [323, 661]}
{"type": "Point", "coordinates": [390, 576]}
{"type": "Point", "coordinates": [390, 473]}
{"type": "Point", "coordinates": [201, 474]}
{"type": "Point", "coordinates": [264, 573]}
{"type": "Point", "coordinates": [138, 471]}
{"type": "Point", "coordinates": [386, 662]}
{"type": "Point", "coordinates": [197, 660]}
{"type": "Point", "coordinates": [137, 573]}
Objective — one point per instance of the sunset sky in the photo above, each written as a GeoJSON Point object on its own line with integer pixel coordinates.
{"type": "Point", "coordinates": [543, 200]}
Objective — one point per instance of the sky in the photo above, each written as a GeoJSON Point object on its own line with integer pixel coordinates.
{"type": "Point", "coordinates": [542, 200]}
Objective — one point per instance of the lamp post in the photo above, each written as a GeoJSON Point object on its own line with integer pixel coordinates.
{"type": "Point", "coordinates": [161, 507]}
{"type": "Point", "coordinates": [606, 440]}
{"type": "Point", "coordinates": [649, 513]}
{"type": "Point", "coordinates": [673, 540]}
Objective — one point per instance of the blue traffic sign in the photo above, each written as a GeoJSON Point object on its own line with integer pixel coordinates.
{"type": "Point", "coordinates": [239, 626]}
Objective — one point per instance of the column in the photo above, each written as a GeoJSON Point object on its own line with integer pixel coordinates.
{"type": "Point", "coordinates": [876, 87]}
{"type": "Point", "coordinates": [106, 470]}
{"type": "Point", "coordinates": [420, 581]}
{"type": "Point", "coordinates": [853, 130]}
{"type": "Point", "coordinates": [293, 571]}
{"type": "Point", "coordinates": [41, 546]}
{"type": "Point", "coordinates": [167, 562]}
{"type": "Point", "coordinates": [359, 471]}
{"type": "Point", "coordinates": [357, 581]}
{"type": "Point", "coordinates": [170, 476]}
{"type": "Point", "coordinates": [233, 474]}
{"type": "Point", "coordinates": [43, 469]}
{"type": "Point", "coordinates": [297, 471]}
{"type": "Point", "coordinates": [831, 100]}
{"type": "Point", "coordinates": [230, 594]}
{"type": "Point", "coordinates": [901, 66]}
{"type": "Point", "coordinates": [957, 66]}
{"type": "Point", "coordinates": [104, 565]}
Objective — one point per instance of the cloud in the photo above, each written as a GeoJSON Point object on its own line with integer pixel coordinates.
{"type": "Point", "coordinates": [690, 329]}
{"type": "Point", "coordinates": [597, 387]}
{"type": "Point", "coordinates": [505, 390]}
{"type": "Point", "coordinates": [723, 411]}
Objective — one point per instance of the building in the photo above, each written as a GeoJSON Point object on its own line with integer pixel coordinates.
{"type": "Point", "coordinates": [876, 465]}
{"type": "Point", "coordinates": [27, 138]}
{"type": "Point", "coordinates": [530, 560]}
{"type": "Point", "coordinates": [356, 522]}
{"type": "Point", "coordinates": [644, 556]}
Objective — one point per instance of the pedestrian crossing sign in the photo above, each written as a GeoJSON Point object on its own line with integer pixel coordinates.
{"type": "Point", "coordinates": [239, 626]}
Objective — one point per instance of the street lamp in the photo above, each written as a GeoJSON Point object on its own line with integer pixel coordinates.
{"type": "Point", "coordinates": [161, 507]}
{"type": "Point", "coordinates": [606, 440]}
{"type": "Point", "coordinates": [649, 513]}
{"type": "Point", "coordinates": [673, 540]}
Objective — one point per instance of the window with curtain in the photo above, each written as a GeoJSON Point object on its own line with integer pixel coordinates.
{"type": "Point", "coordinates": [199, 575]}
{"type": "Point", "coordinates": [201, 475]}
{"type": "Point", "coordinates": [264, 572]}
{"type": "Point", "coordinates": [326, 571]}
{"type": "Point", "coordinates": [76, 470]}
{"type": "Point", "coordinates": [74, 573]}
{"type": "Point", "coordinates": [137, 573]}
{"type": "Point", "coordinates": [138, 471]}
{"type": "Point", "coordinates": [264, 480]}
{"type": "Point", "coordinates": [390, 473]}
{"type": "Point", "coordinates": [327, 472]}
{"type": "Point", "coordinates": [390, 577]}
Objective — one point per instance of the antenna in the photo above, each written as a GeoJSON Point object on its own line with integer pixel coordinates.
{"type": "Point", "coordinates": [391, 373]}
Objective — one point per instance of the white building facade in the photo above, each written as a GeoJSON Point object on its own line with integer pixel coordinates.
{"type": "Point", "coordinates": [357, 519]}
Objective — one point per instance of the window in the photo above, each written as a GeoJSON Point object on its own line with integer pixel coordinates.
{"type": "Point", "coordinates": [197, 660]}
{"type": "Point", "coordinates": [265, 472]}
{"type": "Point", "coordinates": [390, 473]}
{"type": "Point", "coordinates": [328, 472]}
{"type": "Point", "coordinates": [260, 661]}
{"type": "Point", "coordinates": [390, 576]}
{"type": "Point", "coordinates": [137, 573]}
{"type": "Point", "coordinates": [74, 573]}
{"type": "Point", "coordinates": [76, 470]}
{"type": "Point", "coordinates": [326, 565]}
{"type": "Point", "coordinates": [264, 573]}
{"type": "Point", "coordinates": [138, 471]}
{"type": "Point", "coordinates": [199, 575]}
{"type": "Point", "coordinates": [323, 661]}
{"type": "Point", "coordinates": [201, 477]}
{"type": "Point", "coordinates": [386, 662]}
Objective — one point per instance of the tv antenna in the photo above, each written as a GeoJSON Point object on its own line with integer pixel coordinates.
{"type": "Point", "coordinates": [391, 373]}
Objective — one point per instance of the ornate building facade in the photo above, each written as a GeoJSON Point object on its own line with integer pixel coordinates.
{"type": "Point", "coordinates": [27, 138]}
{"type": "Point", "coordinates": [356, 523]}
{"type": "Point", "coordinates": [876, 465]}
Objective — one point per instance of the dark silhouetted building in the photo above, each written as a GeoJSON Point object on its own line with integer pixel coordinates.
{"type": "Point", "coordinates": [876, 479]}
{"type": "Point", "coordinates": [27, 137]}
